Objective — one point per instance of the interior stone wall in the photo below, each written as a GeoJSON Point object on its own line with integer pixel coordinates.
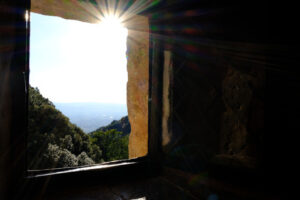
{"type": "Point", "coordinates": [217, 103]}
{"type": "Point", "coordinates": [217, 111]}
{"type": "Point", "coordinates": [138, 84]}
{"type": "Point", "coordinates": [137, 66]}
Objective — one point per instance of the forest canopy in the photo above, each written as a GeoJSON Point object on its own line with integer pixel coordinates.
{"type": "Point", "coordinates": [54, 142]}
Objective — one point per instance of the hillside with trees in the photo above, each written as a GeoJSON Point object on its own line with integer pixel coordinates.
{"type": "Point", "coordinates": [121, 125]}
{"type": "Point", "coordinates": [54, 142]}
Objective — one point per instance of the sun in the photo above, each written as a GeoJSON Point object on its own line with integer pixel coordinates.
{"type": "Point", "coordinates": [111, 23]}
{"type": "Point", "coordinates": [112, 28]}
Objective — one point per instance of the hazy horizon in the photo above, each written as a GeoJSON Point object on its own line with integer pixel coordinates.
{"type": "Point", "coordinates": [88, 102]}
{"type": "Point", "coordinates": [91, 116]}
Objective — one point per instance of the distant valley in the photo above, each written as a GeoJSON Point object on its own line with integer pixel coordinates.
{"type": "Point", "coordinates": [91, 116]}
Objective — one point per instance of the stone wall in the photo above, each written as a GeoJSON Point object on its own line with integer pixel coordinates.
{"type": "Point", "coordinates": [243, 118]}
{"type": "Point", "coordinates": [217, 111]}
{"type": "Point", "coordinates": [138, 85]}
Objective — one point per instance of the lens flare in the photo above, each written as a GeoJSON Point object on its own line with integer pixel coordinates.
{"type": "Point", "coordinates": [111, 22]}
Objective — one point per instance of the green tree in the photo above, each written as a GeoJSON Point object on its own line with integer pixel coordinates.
{"type": "Point", "coordinates": [67, 143]}
{"type": "Point", "coordinates": [96, 153]}
{"type": "Point", "coordinates": [113, 144]}
{"type": "Point", "coordinates": [51, 136]}
{"type": "Point", "coordinates": [56, 157]}
{"type": "Point", "coordinates": [84, 159]}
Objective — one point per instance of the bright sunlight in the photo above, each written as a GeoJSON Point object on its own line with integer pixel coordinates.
{"type": "Point", "coordinates": [72, 61]}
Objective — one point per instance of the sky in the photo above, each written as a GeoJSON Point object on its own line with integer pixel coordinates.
{"type": "Point", "coordinates": [72, 61]}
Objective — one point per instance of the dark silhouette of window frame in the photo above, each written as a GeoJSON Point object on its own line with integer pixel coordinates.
{"type": "Point", "coordinates": [131, 168]}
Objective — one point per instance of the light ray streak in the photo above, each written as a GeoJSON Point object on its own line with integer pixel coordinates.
{"type": "Point", "coordinates": [104, 8]}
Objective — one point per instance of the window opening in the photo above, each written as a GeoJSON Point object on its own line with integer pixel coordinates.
{"type": "Point", "coordinates": [77, 93]}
